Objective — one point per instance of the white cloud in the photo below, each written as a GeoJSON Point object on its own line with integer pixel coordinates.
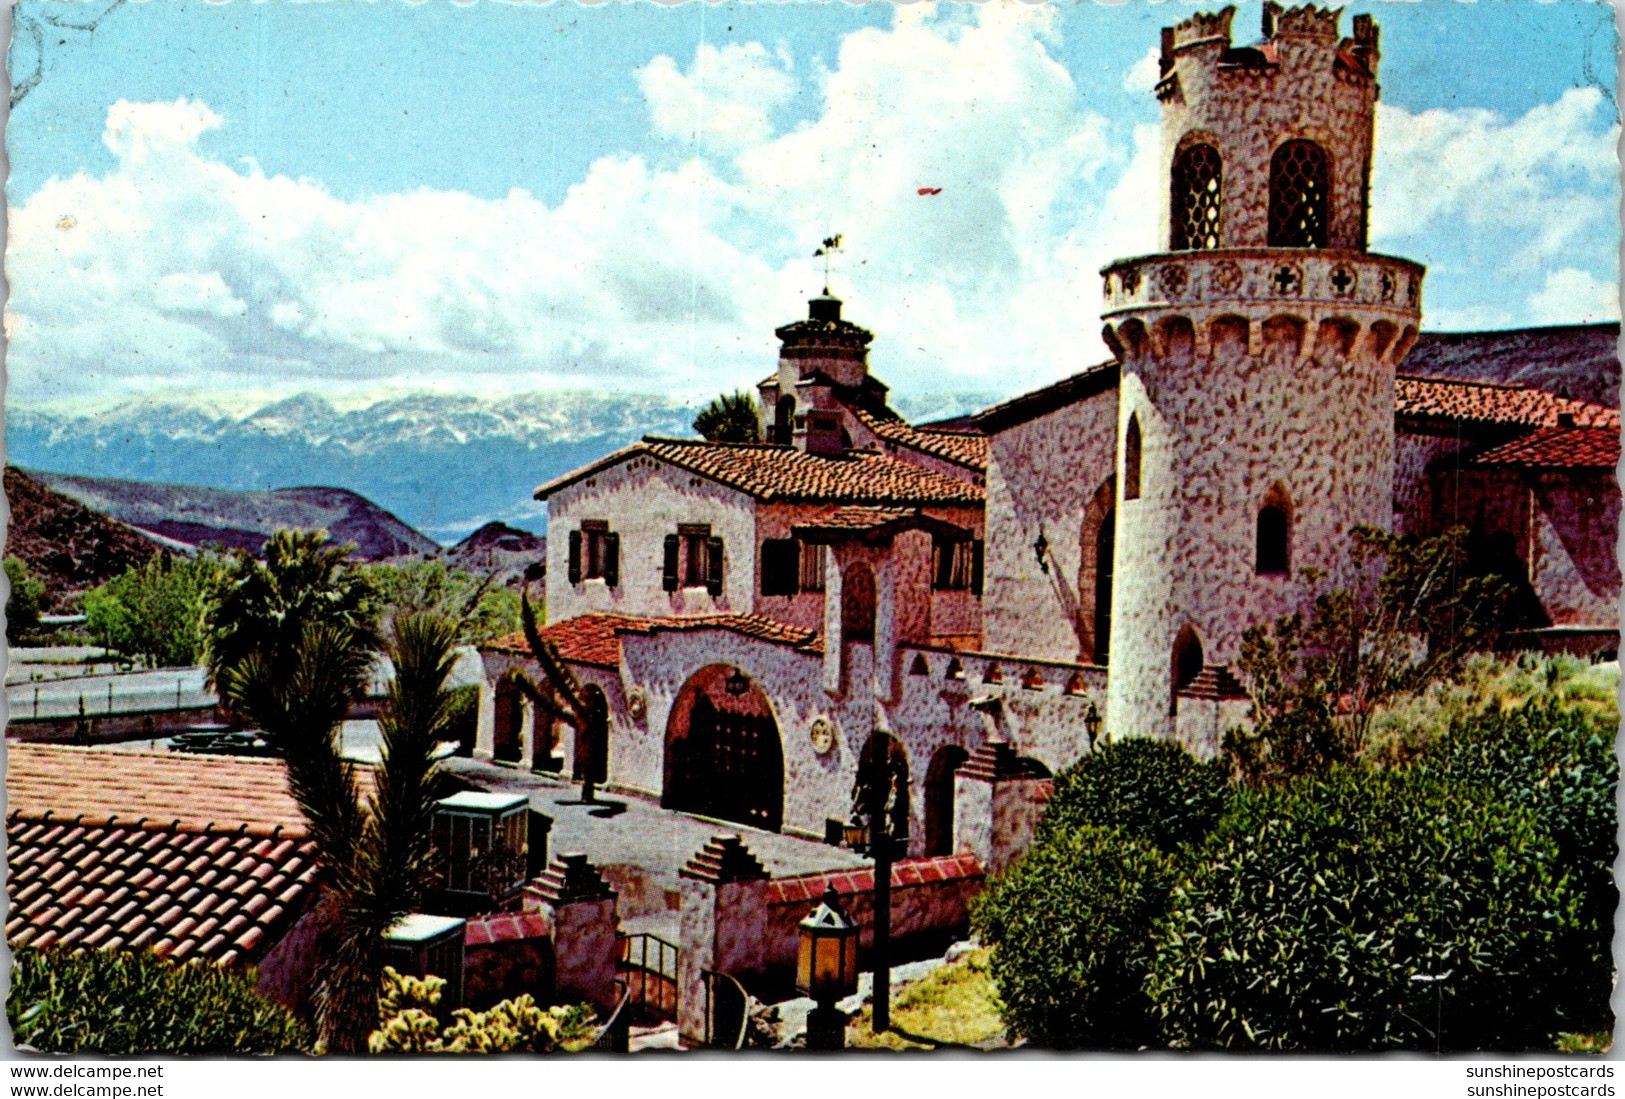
{"type": "Point", "coordinates": [724, 101]}
{"type": "Point", "coordinates": [1572, 296]}
{"type": "Point", "coordinates": [1145, 72]}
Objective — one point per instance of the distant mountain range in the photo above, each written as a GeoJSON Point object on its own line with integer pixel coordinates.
{"type": "Point", "coordinates": [189, 515]}
{"type": "Point", "coordinates": [445, 464]}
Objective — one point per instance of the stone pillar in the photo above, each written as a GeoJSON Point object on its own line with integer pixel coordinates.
{"type": "Point", "coordinates": [723, 925]}
{"type": "Point", "coordinates": [998, 798]}
{"type": "Point", "coordinates": [485, 724]}
{"type": "Point", "coordinates": [834, 642]}
{"type": "Point", "coordinates": [885, 649]}
{"type": "Point", "coordinates": [581, 908]}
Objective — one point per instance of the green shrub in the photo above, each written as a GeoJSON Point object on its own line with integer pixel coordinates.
{"type": "Point", "coordinates": [408, 1023]}
{"type": "Point", "coordinates": [1319, 909]}
{"type": "Point", "coordinates": [1560, 766]}
{"type": "Point", "coordinates": [1070, 929]}
{"type": "Point", "coordinates": [153, 612]}
{"type": "Point", "coordinates": [27, 601]}
{"type": "Point", "coordinates": [1154, 790]}
{"type": "Point", "coordinates": [120, 1002]}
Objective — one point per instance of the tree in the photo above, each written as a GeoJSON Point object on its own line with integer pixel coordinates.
{"type": "Point", "coordinates": [1315, 684]}
{"type": "Point", "coordinates": [1070, 928]}
{"type": "Point", "coordinates": [1368, 909]}
{"type": "Point", "coordinates": [480, 608]}
{"type": "Point", "coordinates": [1154, 790]}
{"type": "Point", "coordinates": [154, 612]}
{"type": "Point", "coordinates": [133, 1002]}
{"type": "Point", "coordinates": [27, 600]}
{"type": "Point", "coordinates": [408, 1023]}
{"type": "Point", "coordinates": [374, 857]}
{"type": "Point", "coordinates": [266, 607]}
{"type": "Point", "coordinates": [730, 418]}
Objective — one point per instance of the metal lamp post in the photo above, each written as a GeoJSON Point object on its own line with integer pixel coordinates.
{"type": "Point", "coordinates": [880, 809]}
{"type": "Point", "coordinates": [827, 970]}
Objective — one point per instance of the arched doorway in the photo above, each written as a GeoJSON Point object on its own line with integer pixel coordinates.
{"type": "Point", "coordinates": [506, 720]}
{"type": "Point", "coordinates": [592, 739]}
{"type": "Point", "coordinates": [939, 798]}
{"type": "Point", "coordinates": [1186, 664]}
{"type": "Point", "coordinates": [858, 604]}
{"type": "Point", "coordinates": [723, 754]}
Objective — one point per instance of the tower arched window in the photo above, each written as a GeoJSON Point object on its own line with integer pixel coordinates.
{"type": "Point", "coordinates": [1131, 459]}
{"type": "Point", "coordinates": [784, 415]}
{"type": "Point", "coordinates": [1197, 189]}
{"type": "Point", "coordinates": [1186, 665]}
{"type": "Point", "coordinates": [1274, 543]}
{"type": "Point", "coordinates": [1300, 196]}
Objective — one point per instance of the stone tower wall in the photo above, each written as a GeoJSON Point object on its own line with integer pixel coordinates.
{"type": "Point", "coordinates": [1304, 82]}
{"type": "Point", "coordinates": [1256, 374]}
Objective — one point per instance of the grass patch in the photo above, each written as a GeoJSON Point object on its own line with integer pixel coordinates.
{"type": "Point", "coordinates": [955, 1006]}
{"type": "Point", "coordinates": [1405, 726]}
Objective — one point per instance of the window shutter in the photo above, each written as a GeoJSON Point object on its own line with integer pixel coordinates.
{"type": "Point", "coordinates": [612, 559]}
{"type": "Point", "coordinates": [575, 557]}
{"type": "Point", "coordinates": [713, 566]}
{"type": "Point", "coordinates": [976, 548]}
{"type": "Point", "coordinates": [668, 564]}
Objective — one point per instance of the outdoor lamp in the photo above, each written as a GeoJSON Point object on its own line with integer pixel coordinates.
{"type": "Point", "coordinates": [855, 835]}
{"type": "Point", "coordinates": [1091, 722]}
{"type": "Point", "coordinates": [827, 970]}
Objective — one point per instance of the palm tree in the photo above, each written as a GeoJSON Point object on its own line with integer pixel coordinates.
{"type": "Point", "coordinates": [374, 855]}
{"type": "Point", "coordinates": [265, 607]}
{"type": "Point", "coordinates": [730, 418]}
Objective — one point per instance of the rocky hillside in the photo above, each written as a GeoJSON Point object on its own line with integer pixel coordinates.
{"type": "Point", "coordinates": [197, 516]}
{"type": "Point", "coordinates": [512, 554]}
{"type": "Point", "coordinates": [67, 545]}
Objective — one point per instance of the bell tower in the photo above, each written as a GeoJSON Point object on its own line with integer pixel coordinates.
{"type": "Point", "coordinates": [1256, 417]}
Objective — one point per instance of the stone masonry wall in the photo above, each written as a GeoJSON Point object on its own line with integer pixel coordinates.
{"type": "Point", "coordinates": [644, 499]}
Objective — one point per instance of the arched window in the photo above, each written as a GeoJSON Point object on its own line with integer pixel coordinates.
{"type": "Point", "coordinates": [1131, 459]}
{"type": "Point", "coordinates": [1197, 188]}
{"type": "Point", "coordinates": [1274, 547]}
{"type": "Point", "coordinates": [1300, 196]}
{"type": "Point", "coordinates": [1187, 664]}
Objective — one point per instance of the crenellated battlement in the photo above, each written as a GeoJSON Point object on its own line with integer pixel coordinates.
{"type": "Point", "coordinates": [1203, 27]}
{"type": "Point", "coordinates": [1307, 20]}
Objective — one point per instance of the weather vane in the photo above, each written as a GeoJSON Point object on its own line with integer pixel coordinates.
{"type": "Point", "coordinates": [832, 244]}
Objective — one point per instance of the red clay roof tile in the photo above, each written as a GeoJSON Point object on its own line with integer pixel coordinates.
{"type": "Point", "coordinates": [1448, 399]}
{"type": "Point", "coordinates": [596, 638]}
{"type": "Point", "coordinates": [962, 448]}
{"type": "Point", "coordinates": [778, 473]}
{"type": "Point", "coordinates": [1557, 448]}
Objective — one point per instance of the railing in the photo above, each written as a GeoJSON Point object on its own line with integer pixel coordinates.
{"type": "Point", "coordinates": [727, 1011]}
{"type": "Point", "coordinates": [648, 965]}
{"type": "Point", "coordinates": [55, 699]}
{"type": "Point", "coordinates": [615, 1036]}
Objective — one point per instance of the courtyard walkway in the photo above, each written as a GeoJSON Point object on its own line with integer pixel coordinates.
{"type": "Point", "coordinates": [639, 846]}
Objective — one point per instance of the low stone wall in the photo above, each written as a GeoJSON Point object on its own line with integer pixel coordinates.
{"type": "Point", "coordinates": [108, 728]}
{"type": "Point", "coordinates": [930, 906]}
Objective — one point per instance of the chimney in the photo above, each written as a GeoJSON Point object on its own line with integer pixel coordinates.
{"type": "Point", "coordinates": [823, 434]}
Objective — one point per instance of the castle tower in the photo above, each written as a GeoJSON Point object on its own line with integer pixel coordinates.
{"type": "Point", "coordinates": [1256, 417]}
{"type": "Point", "coordinates": [818, 358]}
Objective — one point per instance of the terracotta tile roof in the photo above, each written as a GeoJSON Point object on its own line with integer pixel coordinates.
{"type": "Point", "coordinates": [596, 638]}
{"type": "Point", "coordinates": [962, 448]}
{"type": "Point", "coordinates": [809, 887]}
{"type": "Point", "coordinates": [1041, 402]}
{"type": "Point", "coordinates": [112, 882]}
{"type": "Point", "coordinates": [846, 521]}
{"type": "Point", "coordinates": [1435, 399]}
{"type": "Point", "coordinates": [1557, 448]}
{"type": "Point", "coordinates": [777, 473]}
{"type": "Point", "coordinates": [184, 791]}
{"type": "Point", "coordinates": [504, 927]}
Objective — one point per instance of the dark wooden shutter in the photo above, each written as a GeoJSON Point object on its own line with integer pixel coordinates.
{"type": "Point", "coordinates": [976, 548]}
{"type": "Point", "coordinates": [612, 559]}
{"type": "Point", "coordinates": [713, 566]}
{"type": "Point", "coordinates": [575, 557]}
{"type": "Point", "coordinates": [668, 563]}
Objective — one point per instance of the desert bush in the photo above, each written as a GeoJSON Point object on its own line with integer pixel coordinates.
{"type": "Point", "coordinates": [1370, 909]}
{"type": "Point", "coordinates": [123, 1002]}
{"type": "Point", "coordinates": [409, 1024]}
{"type": "Point", "coordinates": [27, 600]}
{"type": "Point", "coordinates": [1154, 790]}
{"type": "Point", "coordinates": [1070, 929]}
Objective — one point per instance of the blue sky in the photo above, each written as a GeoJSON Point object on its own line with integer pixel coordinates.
{"type": "Point", "coordinates": [262, 198]}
